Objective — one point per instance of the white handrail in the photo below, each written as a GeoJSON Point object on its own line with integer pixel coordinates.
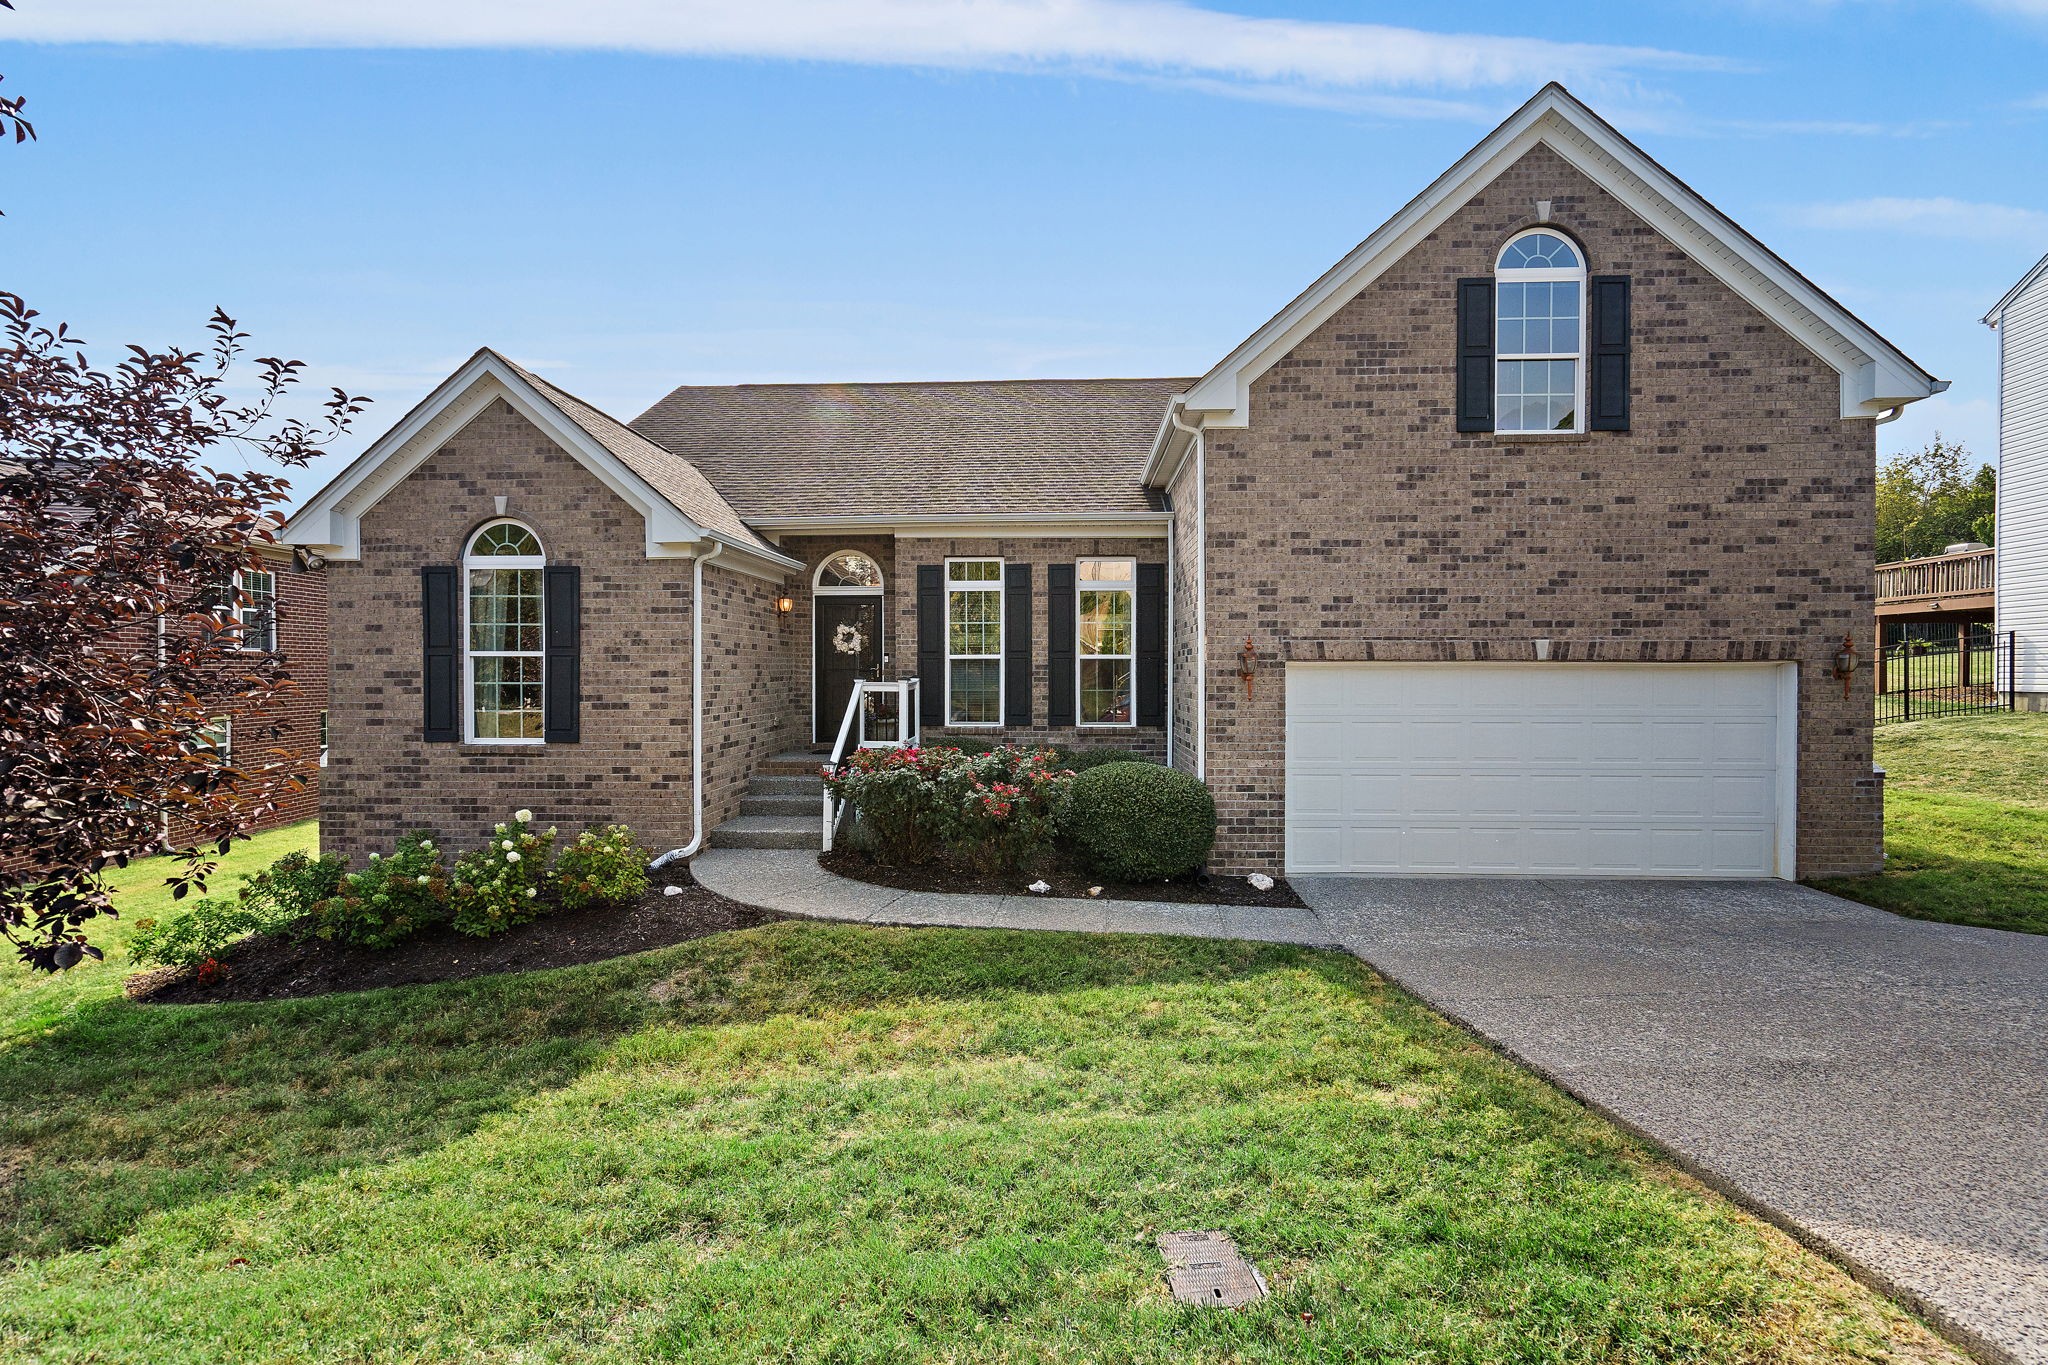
{"type": "Point", "coordinates": [854, 726]}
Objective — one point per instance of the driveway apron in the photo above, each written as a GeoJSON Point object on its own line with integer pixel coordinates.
{"type": "Point", "coordinates": [1877, 1085]}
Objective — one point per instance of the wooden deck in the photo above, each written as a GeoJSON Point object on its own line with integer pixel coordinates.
{"type": "Point", "coordinates": [1938, 587]}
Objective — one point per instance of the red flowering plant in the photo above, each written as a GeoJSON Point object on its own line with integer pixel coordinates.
{"type": "Point", "coordinates": [995, 810]}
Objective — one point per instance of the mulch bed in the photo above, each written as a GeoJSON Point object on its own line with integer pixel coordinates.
{"type": "Point", "coordinates": [1068, 883]}
{"type": "Point", "coordinates": [272, 967]}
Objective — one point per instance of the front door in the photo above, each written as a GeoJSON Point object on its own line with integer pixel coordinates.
{"type": "Point", "coordinates": [847, 647]}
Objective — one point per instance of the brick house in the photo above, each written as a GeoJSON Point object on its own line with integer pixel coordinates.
{"type": "Point", "coordinates": [1523, 541]}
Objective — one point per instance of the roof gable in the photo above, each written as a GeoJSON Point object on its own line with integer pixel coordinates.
{"type": "Point", "coordinates": [2012, 295]}
{"type": "Point", "coordinates": [680, 510]}
{"type": "Point", "coordinates": [1876, 376]}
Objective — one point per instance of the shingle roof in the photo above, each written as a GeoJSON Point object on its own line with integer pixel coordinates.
{"type": "Point", "coordinates": [668, 474]}
{"type": "Point", "coordinates": [1048, 446]}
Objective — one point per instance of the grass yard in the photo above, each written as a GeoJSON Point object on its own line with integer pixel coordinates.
{"type": "Point", "coordinates": [812, 1142]}
{"type": "Point", "coordinates": [1966, 822]}
{"type": "Point", "coordinates": [30, 1004]}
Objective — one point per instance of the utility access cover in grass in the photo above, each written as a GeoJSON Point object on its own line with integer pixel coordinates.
{"type": "Point", "coordinates": [1207, 1268]}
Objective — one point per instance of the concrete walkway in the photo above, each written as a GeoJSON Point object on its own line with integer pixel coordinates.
{"type": "Point", "coordinates": [791, 882]}
{"type": "Point", "coordinates": [1877, 1085]}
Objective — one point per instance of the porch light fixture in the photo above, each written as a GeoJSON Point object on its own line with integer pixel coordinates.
{"type": "Point", "coordinates": [1845, 662]}
{"type": "Point", "coordinates": [784, 605]}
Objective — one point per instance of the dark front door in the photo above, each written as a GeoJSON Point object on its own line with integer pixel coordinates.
{"type": "Point", "coordinates": [849, 647]}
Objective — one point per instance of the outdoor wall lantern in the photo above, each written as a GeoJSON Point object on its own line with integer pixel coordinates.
{"type": "Point", "coordinates": [784, 605]}
{"type": "Point", "coordinates": [1845, 662]}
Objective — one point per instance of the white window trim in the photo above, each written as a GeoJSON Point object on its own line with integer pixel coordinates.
{"type": "Point", "coordinates": [236, 585]}
{"type": "Point", "coordinates": [475, 561]}
{"type": "Point", "coordinates": [1001, 589]}
{"type": "Point", "coordinates": [1127, 584]}
{"type": "Point", "coordinates": [1532, 276]}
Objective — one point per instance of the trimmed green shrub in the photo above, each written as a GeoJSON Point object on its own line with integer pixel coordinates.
{"type": "Point", "coordinates": [499, 885]}
{"type": "Point", "coordinates": [603, 867]}
{"type": "Point", "coordinates": [1081, 760]}
{"type": "Point", "coordinates": [188, 939]}
{"type": "Point", "coordinates": [1141, 822]}
{"type": "Point", "coordinates": [390, 900]}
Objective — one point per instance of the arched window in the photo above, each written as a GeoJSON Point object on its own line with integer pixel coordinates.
{"type": "Point", "coordinates": [1539, 334]}
{"type": "Point", "coordinates": [503, 634]}
{"type": "Point", "coordinates": [849, 571]}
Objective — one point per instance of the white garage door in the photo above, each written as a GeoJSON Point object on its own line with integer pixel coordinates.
{"type": "Point", "coordinates": [1622, 770]}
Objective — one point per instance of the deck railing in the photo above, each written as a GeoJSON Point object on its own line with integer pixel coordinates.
{"type": "Point", "coordinates": [1967, 573]}
{"type": "Point", "coordinates": [879, 715]}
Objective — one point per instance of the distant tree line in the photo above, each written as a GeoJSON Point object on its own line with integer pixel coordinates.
{"type": "Point", "coordinates": [1930, 499]}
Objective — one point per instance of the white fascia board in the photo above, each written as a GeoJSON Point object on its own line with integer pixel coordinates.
{"type": "Point", "coordinates": [987, 524]}
{"type": "Point", "coordinates": [1876, 375]}
{"type": "Point", "coordinates": [331, 522]}
{"type": "Point", "coordinates": [741, 557]}
{"type": "Point", "coordinates": [1991, 318]}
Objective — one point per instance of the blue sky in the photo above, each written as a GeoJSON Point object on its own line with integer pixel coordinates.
{"type": "Point", "coordinates": [631, 194]}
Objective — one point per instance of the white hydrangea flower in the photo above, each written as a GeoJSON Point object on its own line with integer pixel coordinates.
{"type": "Point", "coordinates": [506, 844]}
{"type": "Point", "coordinates": [523, 816]}
{"type": "Point", "coordinates": [512, 857]}
{"type": "Point", "coordinates": [421, 880]}
{"type": "Point", "coordinates": [375, 857]}
{"type": "Point", "coordinates": [530, 893]}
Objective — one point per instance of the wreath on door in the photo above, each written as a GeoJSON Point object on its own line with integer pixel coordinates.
{"type": "Point", "coordinates": [848, 639]}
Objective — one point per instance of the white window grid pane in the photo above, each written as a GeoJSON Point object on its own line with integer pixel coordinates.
{"type": "Point", "coordinates": [258, 615]}
{"type": "Point", "coordinates": [1105, 612]}
{"type": "Point", "coordinates": [974, 642]}
{"type": "Point", "coordinates": [975, 571]}
{"type": "Point", "coordinates": [1106, 688]}
{"type": "Point", "coordinates": [505, 635]}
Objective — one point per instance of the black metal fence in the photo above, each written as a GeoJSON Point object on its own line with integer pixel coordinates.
{"type": "Point", "coordinates": [1924, 672]}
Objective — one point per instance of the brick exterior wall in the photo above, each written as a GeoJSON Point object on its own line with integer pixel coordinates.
{"type": "Point", "coordinates": [292, 722]}
{"type": "Point", "coordinates": [1350, 520]}
{"type": "Point", "coordinates": [632, 764]}
{"type": "Point", "coordinates": [1039, 554]}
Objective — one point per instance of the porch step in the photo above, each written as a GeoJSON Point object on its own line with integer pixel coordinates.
{"type": "Point", "coordinates": [758, 802]}
{"type": "Point", "coordinates": [796, 763]}
{"type": "Point", "coordinates": [768, 831]}
{"type": "Point", "coordinates": [786, 784]}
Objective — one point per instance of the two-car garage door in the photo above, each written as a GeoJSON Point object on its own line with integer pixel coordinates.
{"type": "Point", "coordinates": [1635, 770]}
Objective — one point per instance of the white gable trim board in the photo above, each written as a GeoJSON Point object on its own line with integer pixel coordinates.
{"type": "Point", "coordinates": [331, 523]}
{"type": "Point", "coordinates": [1550, 769]}
{"type": "Point", "coordinates": [1876, 377]}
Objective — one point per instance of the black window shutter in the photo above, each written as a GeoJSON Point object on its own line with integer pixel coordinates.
{"type": "Point", "coordinates": [1475, 355]}
{"type": "Point", "coordinates": [931, 644]}
{"type": "Point", "coordinates": [1607, 375]}
{"type": "Point", "coordinates": [562, 693]}
{"type": "Point", "coordinates": [439, 625]}
{"type": "Point", "coordinates": [1151, 680]}
{"type": "Point", "coordinates": [1017, 644]}
{"type": "Point", "coordinates": [1059, 644]}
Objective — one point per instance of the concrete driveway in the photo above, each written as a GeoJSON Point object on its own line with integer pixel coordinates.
{"type": "Point", "coordinates": [1879, 1085]}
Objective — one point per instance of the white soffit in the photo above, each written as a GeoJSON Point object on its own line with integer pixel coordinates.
{"type": "Point", "coordinates": [1876, 376]}
{"type": "Point", "coordinates": [331, 522]}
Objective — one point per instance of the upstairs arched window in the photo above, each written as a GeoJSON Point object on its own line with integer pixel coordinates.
{"type": "Point", "coordinates": [1539, 334]}
{"type": "Point", "coordinates": [504, 634]}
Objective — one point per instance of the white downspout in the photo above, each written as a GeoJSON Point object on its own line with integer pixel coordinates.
{"type": "Point", "coordinates": [689, 850]}
{"type": "Point", "coordinates": [1201, 577]}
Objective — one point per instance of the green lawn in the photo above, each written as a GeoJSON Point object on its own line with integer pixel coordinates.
{"type": "Point", "coordinates": [1966, 822]}
{"type": "Point", "coordinates": [32, 1003]}
{"type": "Point", "coordinates": [818, 1142]}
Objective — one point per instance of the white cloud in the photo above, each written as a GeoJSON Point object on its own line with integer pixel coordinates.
{"type": "Point", "coordinates": [1936, 217]}
{"type": "Point", "coordinates": [1289, 59]}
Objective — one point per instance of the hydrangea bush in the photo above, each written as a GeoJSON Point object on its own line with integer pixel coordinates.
{"type": "Point", "coordinates": [389, 900]}
{"type": "Point", "coordinates": [198, 935]}
{"type": "Point", "coordinates": [500, 884]}
{"type": "Point", "coordinates": [603, 867]}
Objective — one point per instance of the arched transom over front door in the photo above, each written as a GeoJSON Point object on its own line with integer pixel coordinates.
{"type": "Point", "coordinates": [846, 635]}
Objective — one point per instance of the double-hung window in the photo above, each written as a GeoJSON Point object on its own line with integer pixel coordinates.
{"type": "Point", "coordinates": [505, 646]}
{"type": "Point", "coordinates": [1539, 334]}
{"type": "Point", "coordinates": [974, 641]}
{"type": "Point", "coordinates": [1105, 638]}
{"type": "Point", "coordinates": [252, 610]}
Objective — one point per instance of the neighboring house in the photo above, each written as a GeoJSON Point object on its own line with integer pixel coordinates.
{"type": "Point", "coordinates": [2021, 542]}
{"type": "Point", "coordinates": [1523, 541]}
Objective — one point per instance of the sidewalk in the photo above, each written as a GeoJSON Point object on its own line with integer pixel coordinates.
{"type": "Point", "coordinates": [790, 882]}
